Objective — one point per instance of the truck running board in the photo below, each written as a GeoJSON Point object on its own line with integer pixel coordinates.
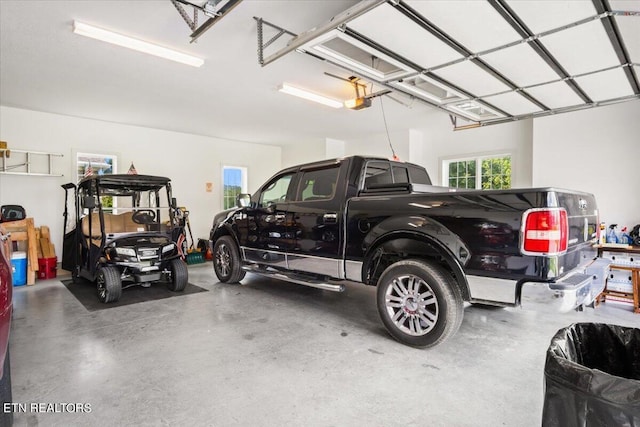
{"type": "Point", "coordinates": [294, 278]}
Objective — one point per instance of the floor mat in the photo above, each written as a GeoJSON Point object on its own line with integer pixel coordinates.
{"type": "Point", "coordinates": [86, 293]}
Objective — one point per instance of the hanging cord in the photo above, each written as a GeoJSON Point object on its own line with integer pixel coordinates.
{"type": "Point", "coordinates": [384, 116]}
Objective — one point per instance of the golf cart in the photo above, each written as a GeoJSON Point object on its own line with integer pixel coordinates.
{"type": "Point", "coordinates": [123, 230]}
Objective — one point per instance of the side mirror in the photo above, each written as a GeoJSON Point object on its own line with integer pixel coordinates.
{"type": "Point", "coordinates": [243, 200]}
{"type": "Point", "coordinates": [89, 202]}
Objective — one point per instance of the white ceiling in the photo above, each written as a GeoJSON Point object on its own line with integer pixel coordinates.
{"type": "Point", "coordinates": [44, 66]}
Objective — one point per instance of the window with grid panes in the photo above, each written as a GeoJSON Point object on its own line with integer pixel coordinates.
{"type": "Point", "coordinates": [486, 173]}
{"type": "Point", "coordinates": [496, 173]}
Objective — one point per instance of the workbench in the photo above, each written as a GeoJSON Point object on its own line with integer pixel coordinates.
{"type": "Point", "coordinates": [624, 259]}
{"type": "Point", "coordinates": [24, 231]}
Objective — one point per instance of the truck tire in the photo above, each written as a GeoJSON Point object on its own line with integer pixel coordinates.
{"type": "Point", "coordinates": [109, 284]}
{"type": "Point", "coordinates": [179, 275]}
{"type": "Point", "coordinates": [419, 303]}
{"type": "Point", "coordinates": [226, 260]}
{"type": "Point", "coordinates": [6, 418]}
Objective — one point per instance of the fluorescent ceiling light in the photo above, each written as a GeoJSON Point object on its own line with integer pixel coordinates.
{"type": "Point", "coordinates": [301, 93]}
{"type": "Point", "coordinates": [135, 44]}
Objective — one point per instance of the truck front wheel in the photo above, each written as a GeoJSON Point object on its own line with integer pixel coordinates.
{"type": "Point", "coordinates": [226, 260]}
{"type": "Point", "coordinates": [419, 303]}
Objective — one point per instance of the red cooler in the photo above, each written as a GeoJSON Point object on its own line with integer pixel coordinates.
{"type": "Point", "coordinates": [47, 268]}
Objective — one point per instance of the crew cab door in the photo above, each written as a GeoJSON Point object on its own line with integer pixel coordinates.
{"type": "Point", "coordinates": [268, 234]}
{"type": "Point", "coordinates": [317, 221]}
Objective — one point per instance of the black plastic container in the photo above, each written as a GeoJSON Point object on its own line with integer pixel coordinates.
{"type": "Point", "coordinates": [592, 377]}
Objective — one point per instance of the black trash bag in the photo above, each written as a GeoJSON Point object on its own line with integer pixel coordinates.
{"type": "Point", "coordinates": [592, 377]}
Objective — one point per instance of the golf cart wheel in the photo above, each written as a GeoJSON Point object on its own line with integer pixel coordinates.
{"type": "Point", "coordinates": [75, 275]}
{"type": "Point", "coordinates": [179, 275]}
{"type": "Point", "coordinates": [226, 260]}
{"type": "Point", "coordinates": [419, 303]}
{"type": "Point", "coordinates": [109, 284]}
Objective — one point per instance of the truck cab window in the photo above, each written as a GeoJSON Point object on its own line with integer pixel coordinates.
{"type": "Point", "coordinates": [400, 174]}
{"type": "Point", "coordinates": [275, 191]}
{"type": "Point", "coordinates": [377, 173]}
{"type": "Point", "coordinates": [318, 184]}
{"type": "Point", "coordinates": [419, 175]}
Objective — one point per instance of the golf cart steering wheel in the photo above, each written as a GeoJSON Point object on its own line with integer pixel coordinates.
{"type": "Point", "coordinates": [144, 216]}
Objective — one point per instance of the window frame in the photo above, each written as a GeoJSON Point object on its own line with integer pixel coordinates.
{"type": "Point", "coordinates": [244, 179]}
{"type": "Point", "coordinates": [87, 158]}
{"type": "Point", "coordinates": [478, 175]}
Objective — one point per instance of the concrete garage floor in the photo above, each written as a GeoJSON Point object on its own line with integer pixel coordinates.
{"type": "Point", "coordinates": [269, 353]}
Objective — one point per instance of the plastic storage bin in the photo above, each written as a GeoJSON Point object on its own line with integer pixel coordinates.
{"type": "Point", "coordinates": [592, 376]}
{"type": "Point", "coordinates": [19, 268]}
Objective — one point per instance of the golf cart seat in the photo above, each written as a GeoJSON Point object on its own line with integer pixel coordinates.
{"type": "Point", "coordinates": [121, 223]}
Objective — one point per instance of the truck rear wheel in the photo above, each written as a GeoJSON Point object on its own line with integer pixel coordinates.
{"type": "Point", "coordinates": [226, 260]}
{"type": "Point", "coordinates": [419, 303]}
{"type": "Point", "coordinates": [109, 284]}
{"type": "Point", "coordinates": [179, 275]}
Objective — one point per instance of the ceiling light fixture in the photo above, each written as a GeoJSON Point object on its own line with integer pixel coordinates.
{"type": "Point", "coordinates": [87, 30]}
{"type": "Point", "coordinates": [302, 93]}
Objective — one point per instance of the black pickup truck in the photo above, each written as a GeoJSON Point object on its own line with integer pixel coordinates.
{"type": "Point", "coordinates": [426, 248]}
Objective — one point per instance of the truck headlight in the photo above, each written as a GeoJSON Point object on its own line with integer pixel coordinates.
{"type": "Point", "coordinates": [168, 248]}
{"type": "Point", "coordinates": [126, 252]}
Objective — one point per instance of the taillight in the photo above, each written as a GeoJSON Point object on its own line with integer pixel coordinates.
{"type": "Point", "coordinates": [545, 231]}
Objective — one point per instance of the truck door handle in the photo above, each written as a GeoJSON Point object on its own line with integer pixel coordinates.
{"type": "Point", "coordinates": [330, 218]}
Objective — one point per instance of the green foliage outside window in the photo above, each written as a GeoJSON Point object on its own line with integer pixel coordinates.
{"type": "Point", "coordinates": [462, 174]}
{"type": "Point", "coordinates": [495, 173]}
{"type": "Point", "coordinates": [230, 194]}
{"type": "Point", "coordinates": [106, 201]}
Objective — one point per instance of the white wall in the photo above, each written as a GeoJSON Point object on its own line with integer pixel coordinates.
{"type": "Point", "coordinates": [377, 145]}
{"type": "Point", "coordinates": [436, 141]}
{"type": "Point", "coordinates": [595, 150]}
{"type": "Point", "coordinates": [189, 160]}
{"type": "Point", "coordinates": [303, 152]}
{"type": "Point", "coordinates": [442, 143]}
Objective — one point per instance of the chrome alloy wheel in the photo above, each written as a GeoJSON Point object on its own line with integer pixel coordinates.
{"type": "Point", "coordinates": [223, 259]}
{"type": "Point", "coordinates": [411, 305]}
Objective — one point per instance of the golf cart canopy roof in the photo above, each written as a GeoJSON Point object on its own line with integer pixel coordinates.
{"type": "Point", "coordinates": [126, 183]}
